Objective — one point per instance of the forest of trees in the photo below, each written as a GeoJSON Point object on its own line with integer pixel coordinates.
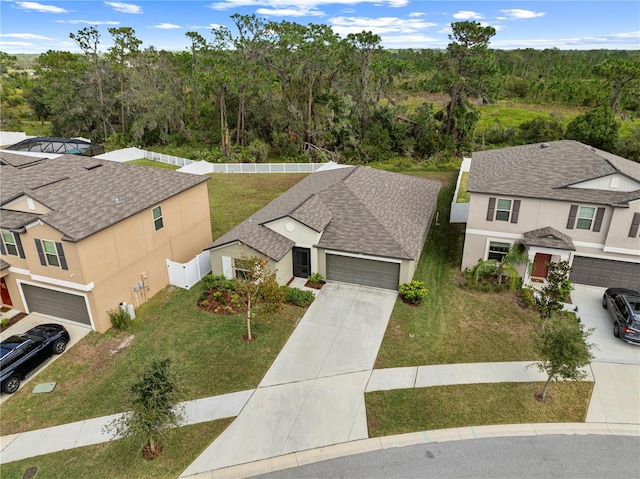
{"type": "Point", "coordinates": [281, 89]}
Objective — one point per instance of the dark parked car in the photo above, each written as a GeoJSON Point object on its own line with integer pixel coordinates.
{"type": "Point", "coordinates": [624, 308]}
{"type": "Point", "coordinates": [21, 354]}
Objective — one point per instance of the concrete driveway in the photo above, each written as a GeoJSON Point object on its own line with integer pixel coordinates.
{"type": "Point", "coordinates": [313, 394]}
{"type": "Point", "coordinates": [616, 364]}
{"type": "Point", "coordinates": [76, 333]}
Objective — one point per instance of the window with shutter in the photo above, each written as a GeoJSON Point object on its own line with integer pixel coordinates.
{"type": "Point", "coordinates": [635, 225]}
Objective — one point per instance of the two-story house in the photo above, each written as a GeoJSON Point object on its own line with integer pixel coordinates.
{"type": "Point", "coordinates": [79, 235]}
{"type": "Point", "coordinates": [564, 201]}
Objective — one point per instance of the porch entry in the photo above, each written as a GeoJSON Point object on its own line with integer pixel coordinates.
{"type": "Point", "coordinates": [6, 297]}
{"type": "Point", "coordinates": [301, 262]}
{"type": "Point", "coordinates": [541, 265]}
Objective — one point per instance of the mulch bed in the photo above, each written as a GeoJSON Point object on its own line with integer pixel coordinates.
{"type": "Point", "coordinates": [227, 302]}
{"type": "Point", "coordinates": [309, 284]}
{"type": "Point", "coordinates": [13, 321]}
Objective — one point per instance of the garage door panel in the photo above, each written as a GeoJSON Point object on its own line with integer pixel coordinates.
{"type": "Point", "coordinates": [379, 274]}
{"type": "Point", "coordinates": [605, 272]}
{"type": "Point", "coordinates": [56, 303]}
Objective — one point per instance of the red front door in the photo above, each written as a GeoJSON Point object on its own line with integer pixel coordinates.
{"type": "Point", "coordinates": [6, 298]}
{"type": "Point", "coordinates": [540, 263]}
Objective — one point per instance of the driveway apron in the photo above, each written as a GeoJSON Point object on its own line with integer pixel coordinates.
{"type": "Point", "coordinates": [313, 394]}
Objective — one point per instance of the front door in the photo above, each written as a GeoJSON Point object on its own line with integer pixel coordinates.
{"type": "Point", "coordinates": [301, 262]}
{"type": "Point", "coordinates": [540, 265]}
{"type": "Point", "coordinates": [6, 298]}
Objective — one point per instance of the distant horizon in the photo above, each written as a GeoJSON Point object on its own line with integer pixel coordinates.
{"type": "Point", "coordinates": [35, 27]}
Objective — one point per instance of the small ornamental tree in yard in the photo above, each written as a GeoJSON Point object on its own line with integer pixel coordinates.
{"type": "Point", "coordinates": [562, 344]}
{"type": "Point", "coordinates": [154, 409]}
{"type": "Point", "coordinates": [549, 300]}
{"type": "Point", "coordinates": [258, 280]}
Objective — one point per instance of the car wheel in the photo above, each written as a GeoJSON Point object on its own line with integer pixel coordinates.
{"type": "Point", "coordinates": [616, 330]}
{"type": "Point", "coordinates": [59, 346]}
{"type": "Point", "coordinates": [604, 302]}
{"type": "Point", "coordinates": [11, 385]}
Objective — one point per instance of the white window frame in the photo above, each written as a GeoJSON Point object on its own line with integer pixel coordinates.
{"type": "Point", "coordinates": [502, 210]}
{"type": "Point", "coordinates": [238, 271]}
{"type": "Point", "coordinates": [8, 245]}
{"type": "Point", "coordinates": [582, 217]}
{"type": "Point", "coordinates": [508, 244]}
{"type": "Point", "coordinates": [157, 219]}
{"type": "Point", "coordinates": [50, 255]}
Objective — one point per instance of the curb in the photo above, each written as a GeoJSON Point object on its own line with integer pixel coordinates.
{"type": "Point", "coordinates": [310, 456]}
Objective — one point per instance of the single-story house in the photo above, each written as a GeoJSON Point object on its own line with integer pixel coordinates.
{"type": "Point", "coordinates": [565, 201]}
{"type": "Point", "coordinates": [80, 235]}
{"type": "Point", "coordinates": [353, 224]}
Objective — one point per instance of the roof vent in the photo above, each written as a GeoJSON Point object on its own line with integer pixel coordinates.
{"type": "Point", "coordinates": [92, 166]}
{"type": "Point", "coordinates": [545, 145]}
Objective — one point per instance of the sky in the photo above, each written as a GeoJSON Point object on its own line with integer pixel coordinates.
{"type": "Point", "coordinates": [39, 26]}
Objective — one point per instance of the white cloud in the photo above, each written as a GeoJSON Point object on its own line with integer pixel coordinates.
{"type": "Point", "coordinates": [611, 41]}
{"type": "Point", "coordinates": [411, 41]}
{"type": "Point", "coordinates": [290, 12]}
{"type": "Point", "coordinates": [38, 7]}
{"type": "Point", "coordinates": [497, 28]}
{"type": "Point", "coordinates": [88, 22]}
{"type": "Point", "coordinates": [166, 26]}
{"type": "Point", "coordinates": [518, 14]}
{"type": "Point", "coordinates": [124, 7]}
{"type": "Point", "coordinates": [417, 14]}
{"type": "Point", "coordinates": [467, 15]}
{"type": "Point", "coordinates": [346, 25]}
{"type": "Point", "coordinates": [309, 5]}
{"type": "Point", "coordinates": [25, 36]}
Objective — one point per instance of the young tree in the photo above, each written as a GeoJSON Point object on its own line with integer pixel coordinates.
{"type": "Point", "coordinates": [256, 279]}
{"type": "Point", "coordinates": [555, 292]}
{"type": "Point", "coordinates": [562, 345]}
{"type": "Point", "coordinates": [153, 408]}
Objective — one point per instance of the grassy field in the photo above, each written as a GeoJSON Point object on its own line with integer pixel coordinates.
{"type": "Point", "coordinates": [441, 407]}
{"type": "Point", "coordinates": [155, 164]}
{"type": "Point", "coordinates": [115, 460]}
{"type": "Point", "coordinates": [454, 325]}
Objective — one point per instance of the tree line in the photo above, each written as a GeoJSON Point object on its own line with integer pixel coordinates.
{"type": "Point", "coordinates": [290, 90]}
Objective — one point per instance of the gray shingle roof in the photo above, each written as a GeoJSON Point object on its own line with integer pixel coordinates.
{"type": "Point", "coordinates": [87, 195]}
{"type": "Point", "coordinates": [360, 209]}
{"type": "Point", "coordinates": [538, 171]}
{"type": "Point", "coordinates": [549, 237]}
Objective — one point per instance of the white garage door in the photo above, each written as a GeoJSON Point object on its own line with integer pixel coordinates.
{"type": "Point", "coordinates": [368, 272]}
{"type": "Point", "coordinates": [605, 272]}
{"type": "Point", "coordinates": [56, 303]}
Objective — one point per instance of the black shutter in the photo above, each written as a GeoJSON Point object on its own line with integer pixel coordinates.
{"type": "Point", "coordinates": [598, 223]}
{"type": "Point", "coordinates": [635, 224]}
{"type": "Point", "coordinates": [2, 250]}
{"type": "Point", "coordinates": [516, 211]}
{"type": "Point", "coordinates": [63, 261]}
{"type": "Point", "coordinates": [43, 261]}
{"type": "Point", "coordinates": [572, 217]}
{"type": "Point", "coordinates": [19, 245]}
{"type": "Point", "coordinates": [491, 210]}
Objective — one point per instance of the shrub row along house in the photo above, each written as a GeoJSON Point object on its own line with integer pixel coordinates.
{"type": "Point", "coordinates": [564, 201]}
{"type": "Point", "coordinates": [353, 224]}
{"type": "Point", "coordinates": [81, 235]}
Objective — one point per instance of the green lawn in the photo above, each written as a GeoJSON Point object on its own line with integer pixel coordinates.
{"type": "Point", "coordinates": [454, 325]}
{"type": "Point", "coordinates": [209, 349]}
{"type": "Point", "coordinates": [155, 164]}
{"type": "Point", "coordinates": [115, 460]}
{"type": "Point", "coordinates": [422, 409]}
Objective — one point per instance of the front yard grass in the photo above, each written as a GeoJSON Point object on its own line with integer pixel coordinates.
{"type": "Point", "coordinates": [454, 325]}
{"type": "Point", "coordinates": [423, 409]}
{"type": "Point", "coordinates": [115, 460]}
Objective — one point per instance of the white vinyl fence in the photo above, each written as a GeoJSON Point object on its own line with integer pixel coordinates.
{"type": "Point", "coordinates": [460, 211]}
{"type": "Point", "coordinates": [185, 275]}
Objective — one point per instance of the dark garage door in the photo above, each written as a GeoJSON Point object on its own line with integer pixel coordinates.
{"type": "Point", "coordinates": [56, 303]}
{"type": "Point", "coordinates": [368, 272]}
{"type": "Point", "coordinates": [605, 272]}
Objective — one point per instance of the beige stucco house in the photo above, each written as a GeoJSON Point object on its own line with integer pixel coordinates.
{"type": "Point", "coordinates": [79, 235]}
{"type": "Point", "coordinates": [352, 224]}
{"type": "Point", "coordinates": [564, 201]}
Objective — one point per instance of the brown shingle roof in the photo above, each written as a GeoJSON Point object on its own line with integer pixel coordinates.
{"type": "Point", "coordinates": [87, 195]}
{"type": "Point", "coordinates": [550, 238]}
{"type": "Point", "coordinates": [546, 170]}
{"type": "Point", "coordinates": [360, 209]}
